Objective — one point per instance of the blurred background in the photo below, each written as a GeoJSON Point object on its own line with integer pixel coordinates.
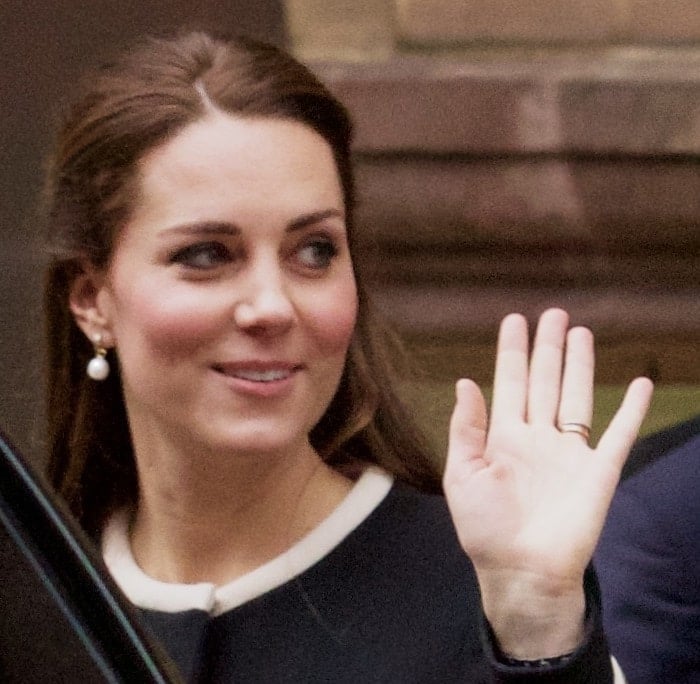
{"type": "Point", "coordinates": [510, 157]}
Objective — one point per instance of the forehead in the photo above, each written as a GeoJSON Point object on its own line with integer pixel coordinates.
{"type": "Point", "coordinates": [227, 162]}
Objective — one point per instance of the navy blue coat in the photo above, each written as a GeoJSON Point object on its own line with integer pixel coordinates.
{"type": "Point", "coordinates": [648, 562]}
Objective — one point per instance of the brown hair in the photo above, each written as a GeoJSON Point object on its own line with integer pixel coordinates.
{"type": "Point", "coordinates": [128, 108]}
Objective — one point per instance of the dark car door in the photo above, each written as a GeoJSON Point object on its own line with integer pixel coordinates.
{"type": "Point", "coordinates": [62, 619]}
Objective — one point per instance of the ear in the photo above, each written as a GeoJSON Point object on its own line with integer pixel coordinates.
{"type": "Point", "coordinates": [89, 302]}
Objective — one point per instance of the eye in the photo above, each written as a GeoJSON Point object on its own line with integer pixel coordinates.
{"type": "Point", "coordinates": [317, 253]}
{"type": "Point", "coordinates": [202, 255]}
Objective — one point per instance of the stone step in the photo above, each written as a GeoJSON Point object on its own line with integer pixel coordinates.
{"type": "Point", "coordinates": [443, 311]}
{"type": "Point", "coordinates": [666, 358]}
{"type": "Point", "coordinates": [608, 204]}
{"type": "Point", "coordinates": [564, 267]}
{"type": "Point", "coordinates": [439, 22]}
{"type": "Point", "coordinates": [515, 183]}
{"type": "Point", "coordinates": [626, 101]}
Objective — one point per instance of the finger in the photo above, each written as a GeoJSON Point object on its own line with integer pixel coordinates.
{"type": "Point", "coordinates": [510, 379]}
{"type": "Point", "coordinates": [545, 367]}
{"type": "Point", "coordinates": [467, 428]}
{"type": "Point", "coordinates": [618, 438]}
{"type": "Point", "coordinates": [576, 401]}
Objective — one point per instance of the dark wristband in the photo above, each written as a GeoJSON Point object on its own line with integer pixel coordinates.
{"type": "Point", "coordinates": [541, 662]}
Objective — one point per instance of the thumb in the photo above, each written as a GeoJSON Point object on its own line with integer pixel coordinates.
{"type": "Point", "coordinates": [467, 437]}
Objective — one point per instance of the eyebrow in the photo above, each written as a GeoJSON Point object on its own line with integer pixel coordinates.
{"type": "Point", "coordinates": [315, 217]}
{"type": "Point", "coordinates": [203, 228]}
{"type": "Point", "coordinates": [228, 228]}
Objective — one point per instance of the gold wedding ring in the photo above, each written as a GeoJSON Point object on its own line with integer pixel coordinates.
{"type": "Point", "coordinates": [579, 428]}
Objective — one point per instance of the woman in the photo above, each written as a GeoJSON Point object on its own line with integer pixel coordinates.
{"type": "Point", "coordinates": [236, 446]}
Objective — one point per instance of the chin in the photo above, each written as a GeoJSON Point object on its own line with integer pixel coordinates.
{"type": "Point", "coordinates": [259, 439]}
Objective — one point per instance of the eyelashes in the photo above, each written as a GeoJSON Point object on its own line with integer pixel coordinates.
{"type": "Point", "coordinates": [202, 255]}
{"type": "Point", "coordinates": [313, 254]}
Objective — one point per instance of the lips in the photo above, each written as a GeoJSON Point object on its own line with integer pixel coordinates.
{"type": "Point", "coordinates": [257, 371]}
{"type": "Point", "coordinates": [261, 376]}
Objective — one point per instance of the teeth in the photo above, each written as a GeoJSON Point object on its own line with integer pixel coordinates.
{"type": "Point", "coordinates": [262, 376]}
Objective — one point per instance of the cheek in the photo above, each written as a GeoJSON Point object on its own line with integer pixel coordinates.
{"type": "Point", "coordinates": [169, 327]}
{"type": "Point", "coordinates": [334, 319]}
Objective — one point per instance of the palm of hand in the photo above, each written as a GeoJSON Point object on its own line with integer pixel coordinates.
{"type": "Point", "coordinates": [525, 497]}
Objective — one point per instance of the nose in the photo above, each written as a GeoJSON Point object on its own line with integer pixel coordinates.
{"type": "Point", "coordinates": [265, 305]}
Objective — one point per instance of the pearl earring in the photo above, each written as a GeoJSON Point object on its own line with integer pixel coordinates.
{"type": "Point", "coordinates": [98, 367]}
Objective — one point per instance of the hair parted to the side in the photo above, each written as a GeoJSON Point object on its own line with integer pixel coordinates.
{"type": "Point", "coordinates": [127, 108]}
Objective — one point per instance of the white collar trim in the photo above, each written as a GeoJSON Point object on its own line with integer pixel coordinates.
{"type": "Point", "coordinates": [144, 591]}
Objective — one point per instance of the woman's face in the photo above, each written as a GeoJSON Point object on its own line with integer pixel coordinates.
{"type": "Point", "coordinates": [230, 296]}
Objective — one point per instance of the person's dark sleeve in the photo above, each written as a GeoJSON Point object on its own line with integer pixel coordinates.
{"type": "Point", "coordinates": [589, 664]}
{"type": "Point", "coordinates": [648, 560]}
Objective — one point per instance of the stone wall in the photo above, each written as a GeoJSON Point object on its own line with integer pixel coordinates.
{"type": "Point", "coordinates": [547, 22]}
{"type": "Point", "coordinates": [513, 156]}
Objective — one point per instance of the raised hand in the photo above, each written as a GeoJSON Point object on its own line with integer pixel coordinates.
{"type": "Point", "coordinates": [528, 497]}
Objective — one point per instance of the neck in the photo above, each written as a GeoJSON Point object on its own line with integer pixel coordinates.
{"type": "Point", "coordinates": [212, 517]}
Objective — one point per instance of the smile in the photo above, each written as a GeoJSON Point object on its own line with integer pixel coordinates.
{"type": "Point", "coordinates": [261, 376]}
{"type": "Point", "coordinates": [257, 371]}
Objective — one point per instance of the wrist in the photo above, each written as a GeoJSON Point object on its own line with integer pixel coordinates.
{"type": "Point", "coordinates": [532, 620]}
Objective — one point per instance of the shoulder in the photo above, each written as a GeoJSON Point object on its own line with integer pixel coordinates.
{"type": "Point", "coordinates": [647, 561]}
{"type": "Point", "coordinates": [667, 486]}
{"type": "Point", "coordinates": [656, 512]}
{"type": "Point", "coordinates": [648, 450]}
